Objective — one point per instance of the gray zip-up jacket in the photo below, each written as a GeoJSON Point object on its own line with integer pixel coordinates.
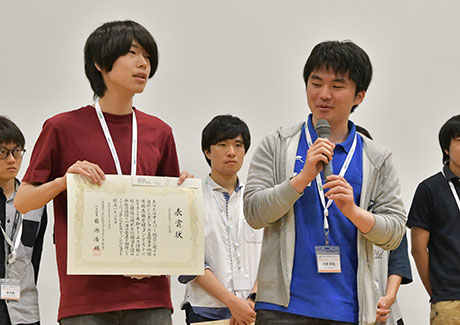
{"type": "Point", "coordinates": [269, 203]}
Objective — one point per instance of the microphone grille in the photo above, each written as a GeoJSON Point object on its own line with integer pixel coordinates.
{"type": "Point", "coordinates": [323, 129]}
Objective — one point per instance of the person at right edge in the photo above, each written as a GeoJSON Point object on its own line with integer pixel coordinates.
{"type": "Point", "coordinates": [434, 220]}
{"type": "Point", "coordinates": [317, 256]}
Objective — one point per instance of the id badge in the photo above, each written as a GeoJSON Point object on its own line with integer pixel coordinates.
{"type": "Point", "coordinates": [241, 281]}
{"type": "Point", "coordinates": [328, 259]}
{"type": "Point", "coordinates": [10, 289]}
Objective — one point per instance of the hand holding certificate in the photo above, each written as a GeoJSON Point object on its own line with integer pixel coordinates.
{"type": "Point", "coordinates": [135, 225]}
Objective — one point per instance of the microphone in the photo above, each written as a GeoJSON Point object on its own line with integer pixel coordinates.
{"type": "Point", "coordinates": [323, 130]}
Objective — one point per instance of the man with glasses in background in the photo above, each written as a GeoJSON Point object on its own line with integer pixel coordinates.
{"type": "Point", "coordinates": [22, 236]}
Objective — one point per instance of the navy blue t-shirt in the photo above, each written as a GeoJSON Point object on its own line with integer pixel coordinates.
{"type": "Point", "coordinates": [434, 209]}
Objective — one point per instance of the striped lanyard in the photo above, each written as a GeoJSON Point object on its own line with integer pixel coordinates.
{"type": "Point", "coordinates": [17, 224]}
{"type": "Point", "coordinates": [233, 234]}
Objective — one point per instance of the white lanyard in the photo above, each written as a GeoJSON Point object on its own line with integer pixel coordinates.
{"type": "Point", "coordinates": [112, 148]}
{"type": "Point", "coordinates": [319, 181]}
{"type": "Point", "coordinates": [454, 192]}
{"type": "Point", "coordinates": [232, 235]}
{"type": "Point", "coordinates": [15, 245]}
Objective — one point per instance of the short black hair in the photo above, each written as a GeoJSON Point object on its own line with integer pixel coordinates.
{"type": "Point", "coordinates": [449, 131]}
{"type": "Point", "coordinates": [10, 133]}
{"type": "Point", "coordinates": [224, 127]}
{"type": "Point", "coordinates": [110, 41]}
{"type": "Point", "coordinates": [345, 58]}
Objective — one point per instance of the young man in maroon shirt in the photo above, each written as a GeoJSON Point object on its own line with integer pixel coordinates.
{"type": "Point", "coordinates": [120, 57]}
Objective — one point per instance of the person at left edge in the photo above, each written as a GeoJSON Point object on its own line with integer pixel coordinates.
{"type": "Point", "coordinates": [22, 235]}
{"type": "Point", "coordinates": [120, 57]}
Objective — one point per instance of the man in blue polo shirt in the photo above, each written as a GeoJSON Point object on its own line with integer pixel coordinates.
{"type": "Point", "coordinates": [317, 253]}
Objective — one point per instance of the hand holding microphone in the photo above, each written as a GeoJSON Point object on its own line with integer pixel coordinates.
{"type": "Point", "coordinates": [318, 158]}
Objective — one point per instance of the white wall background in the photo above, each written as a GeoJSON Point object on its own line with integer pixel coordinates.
{"type": "Point", "coordinates": [244, 58]}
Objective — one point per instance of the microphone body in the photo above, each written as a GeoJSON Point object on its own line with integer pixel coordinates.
{"type": "Point", "coordinates": [323, 130]}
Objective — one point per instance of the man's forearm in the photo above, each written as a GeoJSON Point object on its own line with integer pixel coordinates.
{"type": "Point", "coordinates": [393, 284]}
{"type": "Point", "coordinates": [213, 286]}
{"type": "Point", "coordinates": [31, 197]}
{"type": "Point", "coordinates": [362, 219]}
{"type": "Point", "coordinates": [420, 238]}
{"type": "Point", "coordinates": [300, 182]}
{"type": "Point", "coordinates": [264, 207]}
{"type": "Point", "coordinates": [423, 267]}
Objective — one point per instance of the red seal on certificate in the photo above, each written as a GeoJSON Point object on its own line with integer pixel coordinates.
{"type": "Point", "coordinates": [97, 251]}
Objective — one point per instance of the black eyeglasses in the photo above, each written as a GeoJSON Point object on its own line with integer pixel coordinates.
{"type": "Point", "coordinates": [17, 152]}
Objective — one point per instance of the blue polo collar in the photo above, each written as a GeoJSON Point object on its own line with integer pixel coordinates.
{"type": "Point", "coordinates": [346, 145]}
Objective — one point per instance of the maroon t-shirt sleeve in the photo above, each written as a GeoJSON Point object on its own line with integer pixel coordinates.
{"type": "Point", "coordinates": [44, 156]}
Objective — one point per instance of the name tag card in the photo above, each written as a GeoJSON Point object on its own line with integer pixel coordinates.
{"type": "Point", "coordinates": [241, 281]}
{"type": "Point", "coordinates": [328, 259]}
{"type": "Point", "coordinates": [10, 289]}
